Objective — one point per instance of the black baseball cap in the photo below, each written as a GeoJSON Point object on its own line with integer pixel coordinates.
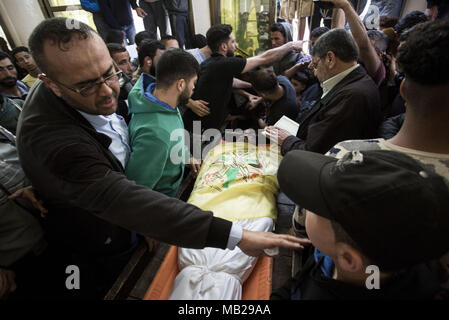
{"type": "Point", "coordinates": [395, 210]}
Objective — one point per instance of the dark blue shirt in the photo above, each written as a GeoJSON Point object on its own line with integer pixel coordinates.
{"type": "Point", "coordinates": [287, 105]}
{"type": "Point", "coordinates": [309, 98]}
{"type": "Point", "coordinates": [117, 13]}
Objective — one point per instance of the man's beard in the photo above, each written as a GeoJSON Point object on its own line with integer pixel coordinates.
{"type": "Point", "coordinates": [229, 53]}
{"type": "Point", "coordinates": [184, 97]}
{"type": "Point", "coordinates": [8, 82]}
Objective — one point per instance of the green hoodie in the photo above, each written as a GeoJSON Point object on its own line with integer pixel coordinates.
{"type": "Point", "coordinates": [150, 128]}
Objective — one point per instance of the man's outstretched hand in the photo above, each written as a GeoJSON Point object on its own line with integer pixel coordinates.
{"type": "Point", "coordinates": [254, 243]}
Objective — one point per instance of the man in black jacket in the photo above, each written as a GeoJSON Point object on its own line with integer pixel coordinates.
{"type": "Point", "coordinates": [73, 150]}
{"type": "Point", "coordinates": [349, 107]}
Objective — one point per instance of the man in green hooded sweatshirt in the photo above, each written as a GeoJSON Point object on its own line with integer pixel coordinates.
{"type": "Point", "coordinates": [156, 127]}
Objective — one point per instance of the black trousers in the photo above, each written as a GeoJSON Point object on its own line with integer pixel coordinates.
{"type": "Point", "coordinates": [180, 28]}
{"type": "Point", "coordinates": [156, 17]}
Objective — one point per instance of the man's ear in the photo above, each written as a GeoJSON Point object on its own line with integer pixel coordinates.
{"type": "Point", "coordinates": [147, 61]}
{"type": "Point", "coordinates": [331, 59]}
{"type": "Point", "coordinates": [223, 47]}
{"type": "Point", "coordinates": [50, 84]}
{"type": "Point", "coordinates": [349, 259]}
{"type": "Point", "coordinates": [402, 89]}
{"type": "Point", "coordinates": [180, 85]}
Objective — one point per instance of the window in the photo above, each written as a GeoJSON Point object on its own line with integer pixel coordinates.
{"type": "Point", "coordinates": [250, 21]}
{"type": "Point", "coordinates": [66, 8]}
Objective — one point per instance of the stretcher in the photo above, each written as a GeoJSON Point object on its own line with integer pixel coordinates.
{"type": "Point", "coordinates": [237, 181]}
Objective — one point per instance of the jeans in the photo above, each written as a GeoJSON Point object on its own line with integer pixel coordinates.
{"type": "Point", "coordinates": [130, 33]}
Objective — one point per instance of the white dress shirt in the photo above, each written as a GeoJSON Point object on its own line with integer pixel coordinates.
{"type": "Point", "coordinates": [329, 84]}
{"type": "Point", "coordinates": [114, 126]}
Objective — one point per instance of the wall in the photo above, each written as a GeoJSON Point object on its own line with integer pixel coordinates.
{"type": "Point", "coordinates": [201, 16]}
{"type": "Point", "coordinates": [21, 16]}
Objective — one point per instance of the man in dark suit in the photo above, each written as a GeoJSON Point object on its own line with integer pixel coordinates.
{"type": "Point", "coordinates": [349, 107]}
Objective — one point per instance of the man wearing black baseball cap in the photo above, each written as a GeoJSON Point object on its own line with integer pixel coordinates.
{"type": "Point", "coordinates": [374, 217]}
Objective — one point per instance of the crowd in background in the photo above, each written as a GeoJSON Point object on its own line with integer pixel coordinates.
{"type": "Point", "coordinates": [375, 98]}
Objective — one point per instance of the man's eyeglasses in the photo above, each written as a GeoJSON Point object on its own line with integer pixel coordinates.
{"type": "Point", "coordinates": [92, 88]}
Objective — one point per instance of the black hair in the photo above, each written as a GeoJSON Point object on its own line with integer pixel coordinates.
{"type": "Point", "coordinates": [218, 34]}
{"type": "Point", "coordinates": [410, 20]}
{"type": "Point", "coordinates": [115, 47]}
{"type": "Point", "coordinates": [264, 80]}
{"type": "Point", "coordinates": [17, 50]}
{"type": "Point", "coordinates": [140, 36]}
{"type": "Point", "coordinates": [388, 21]}
{"type": "Point", "coordinates": [56, 31]}
{"type": "Point", "coordinates": [173, 65]}
{"type": "Point", "coordinates": [304, 76]}
{"type": "Point", "coordinates": [340, 42]}
{"type": "Point", "coordinates": [423, 56]}
{"type": "Point", "coordinates": [148, 48]}
{"type": "Point", "coordinates": [168, 37]}
{"type": "Point", "coordinates": [114, 36]}
{"type": "Point", "coordinates": [4, 55]}
{"type": "Point", "coordinates": [318, 32]}
{"type": "Point", "coordinates": [199, 41]}
{"type": "Point", "coordinates": [278, 27]}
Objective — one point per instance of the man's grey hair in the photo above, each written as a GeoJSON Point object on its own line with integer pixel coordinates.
{"type": "Point", "coordinates": [380, 40]}
{"type": "Point", "coordinates": [340, 42]}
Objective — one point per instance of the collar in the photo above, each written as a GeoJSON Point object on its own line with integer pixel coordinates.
{"type": "Point", "coordinates": [96, 120]}
{"type": "Point", "coordinates": [329, 84]}
{"type": "Point", "coordinates": [148, 86]}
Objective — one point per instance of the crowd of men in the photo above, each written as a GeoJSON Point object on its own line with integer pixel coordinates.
{"type": "Point", "coordinates": [87, 154]}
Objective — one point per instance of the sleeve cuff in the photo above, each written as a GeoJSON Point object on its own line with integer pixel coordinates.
{"type": "Point", "coordinates": [234, 236]}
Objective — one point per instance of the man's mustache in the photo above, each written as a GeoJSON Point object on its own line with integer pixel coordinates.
{"type": "Point", "coordinates": [9, 79]}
